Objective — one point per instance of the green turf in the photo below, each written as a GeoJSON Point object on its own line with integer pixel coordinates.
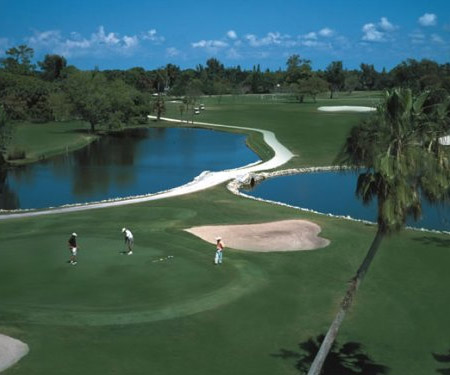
{"type": "Point", "coordinates": [118, 314]}
{"type": "Point", "coordinates": [314, 137]}
{"type": "Point", "coordinates": [136, 314]}
{"type": "Point", "coordinates": [41, 141]}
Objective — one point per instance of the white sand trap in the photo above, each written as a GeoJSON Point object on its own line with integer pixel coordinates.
{"type": "Point", "coordinates": [346, 108]}
{"type": "Point", "coordinates": [285, 235]}
{"type": "Point", "coordinates": [11, 351]}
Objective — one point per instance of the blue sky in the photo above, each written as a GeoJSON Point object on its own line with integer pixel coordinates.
{"type": "Point", "coordinates": [114, 34]}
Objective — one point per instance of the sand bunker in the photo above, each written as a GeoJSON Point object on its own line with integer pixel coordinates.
{"type": "Point", "coordinates": [11, 350]}
{"type": "Point", "coordinates": [285, 235]}
{"type": "Point", "coordinates": [346, 108]}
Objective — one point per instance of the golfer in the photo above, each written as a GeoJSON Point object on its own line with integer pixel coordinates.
{"type": "Point", "coordinates": [129, 240]}
{"type": "Point", "coordinates": [73, 248]}
{"type": "Point", "coordinates": [219, 250]}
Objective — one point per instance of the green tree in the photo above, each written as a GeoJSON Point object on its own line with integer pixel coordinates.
{"type": "Point", "coordinates": [61, 106]}
{"type": "Point", "coordinates": [5, 136]}
{"type": "Point", "coordinates": [25, 97]}
{"type": "Point", "coordinates": [400, 151]}
{"type": "Point", "coordinates": [351, 81]}
{"type": "Point", "coordinates": [311, 86]}
{"type": "Point", "coordinates": [368, 77]}
{"type": "Point", "coordinates": [214, 69]}
{"type": "Point", "coordinates": [159, 106]}
{"type": "Point", "coordinates": [335, 76]}
{"type": "Point", "coordinates": [297, 68]}
{"type": "Point", "coordinates": [86, 91]}
{"type": "Point", "coordinates": [19, 60]}
{"type": "Point", "coordinates": [173, 74]}
{"type": "Point", "coordinates": [52, 67]}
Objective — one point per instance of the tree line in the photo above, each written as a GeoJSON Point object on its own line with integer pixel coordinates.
{"type": "Point", "coordinates": [54, 90]}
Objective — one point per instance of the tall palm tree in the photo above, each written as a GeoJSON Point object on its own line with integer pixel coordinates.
{"type": "Point", "coordinates": [159, 106]}
{"type": "Point", "coordinates": [399, 149]}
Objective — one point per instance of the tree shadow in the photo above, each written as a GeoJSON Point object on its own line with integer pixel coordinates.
{"type": "Point", "coordinates": [8, 197]}
{"type": "Point", "coordinates": [347, 359]}
{"type": "Point", "coordinates": [429, 240]}
{"type": "Point", "coordinates": [445, 358]}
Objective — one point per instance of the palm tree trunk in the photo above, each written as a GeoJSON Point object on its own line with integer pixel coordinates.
{"type": "Point", "coordinates": [316, 366]}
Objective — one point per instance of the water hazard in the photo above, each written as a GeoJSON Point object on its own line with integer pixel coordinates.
{"type": "Point", "coordinates": [133, 163]}
{"type": "Point", "coordinates": [334, 193]}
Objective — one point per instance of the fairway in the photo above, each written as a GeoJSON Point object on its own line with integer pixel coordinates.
{"type": "Point", "coordinates": [167, 309]}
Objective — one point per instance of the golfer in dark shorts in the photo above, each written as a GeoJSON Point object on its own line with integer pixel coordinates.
{"type": "Point", "coordinates": [73, 248]}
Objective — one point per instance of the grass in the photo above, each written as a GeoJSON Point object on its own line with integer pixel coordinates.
{"type": "Point", "coordinates": [116, 314]}
{"type": "Point", "coordinates": [314, 137]}
{"type": "Point", "coordinates": [41, 141]}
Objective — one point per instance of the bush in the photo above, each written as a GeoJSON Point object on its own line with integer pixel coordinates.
{"type": "Point", "coordinates": [16, 154]}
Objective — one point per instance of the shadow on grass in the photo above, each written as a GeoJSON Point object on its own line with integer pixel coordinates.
{"type": "Point", "coordinates": [346, 359]}
{"type": "Point", "coordinates": [428, 240]}
{"type": "Point", "coordinates": [444, 358]}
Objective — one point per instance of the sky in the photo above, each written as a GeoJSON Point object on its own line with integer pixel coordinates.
{"type": "Point", "coordinates": [113, 34]}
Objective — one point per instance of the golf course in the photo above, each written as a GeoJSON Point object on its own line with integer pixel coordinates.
{"type": "Point", "coordinates": [167, 309]}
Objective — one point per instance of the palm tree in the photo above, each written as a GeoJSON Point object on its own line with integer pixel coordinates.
{"type": "Point", "coordinates": [403, 160]}
{"type": "Point", "coordinates": [159, 106]}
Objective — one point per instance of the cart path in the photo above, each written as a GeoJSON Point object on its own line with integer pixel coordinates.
{"type": "Point", "coordinates": [11, 351]}
{"type": "Point", "coordinates": [203, 181]}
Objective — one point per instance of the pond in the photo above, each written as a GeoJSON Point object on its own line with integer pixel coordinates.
{"type": "Point", "coordinates": [334, 193]}
{"type": "Point", "coordinates": [133, 163]}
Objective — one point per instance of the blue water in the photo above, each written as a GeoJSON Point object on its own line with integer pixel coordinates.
{"type": "Point", "coordinates": [139, 162]}
{"type": "Point", "coordinates": [334, 193]}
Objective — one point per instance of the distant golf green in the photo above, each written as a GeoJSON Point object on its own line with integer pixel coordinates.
{"type": "Point", "coordinates": [168, 310]}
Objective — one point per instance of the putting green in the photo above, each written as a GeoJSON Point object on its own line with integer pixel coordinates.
{"type": "Point", "coordinates": [163, 279]}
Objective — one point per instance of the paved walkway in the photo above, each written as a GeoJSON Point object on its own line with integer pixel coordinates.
{"type": "Point", "coordinates": [204, 181]}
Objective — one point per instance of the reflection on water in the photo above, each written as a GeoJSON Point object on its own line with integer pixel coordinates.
{"type": "Point", "coordinates": [8, 199]}
{"type": "Point", "coordinates": [334, 192]}
{"type": "Point", "coordinates": [132, 163]}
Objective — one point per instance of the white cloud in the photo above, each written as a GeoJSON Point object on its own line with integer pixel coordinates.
{"type": "Point", "coordinates": [326, 32]}
{"type": "Point", "coordinates": [172, 52]}
{"type": "Point", "coordinates": [209, 44]}
{"type": "Point", "coordinates": [428, 19]}
{"type": "Point", "coordinates": [44, 39]}
{"type": "Point", "coordinates": [343, 42]}
{"type": "Point", "coordinates": [152, 36]}
{"type": "Point", "coordinates": [310, 43]}
{"type": "Point", "coordinates": [417, 37]}
{"type": "Point", "coordinates": [380, 32]}
{"type": "Point", "coordinates": [69, 46]}
{"type": "Point", "coordinates": [272, 38]}
{"type": "Point", "coordinates": [232, 34]}
{"type": "Point", "coordinates": [386, 25]}
{"type": "Point", "coordinates": [99, 43]}
{"type": "Point", "coordinates": [435, 38]}
{"type": "Point", "coordinates": [311, 36]}
{"type": "Point", "coordinates": [371, 34]}
{"type": "Point", "coordinates": [130, 41]}
{"type": "Point", "coordinates": [232, 53]}
{"type": "Point", "coordinates": [101, 37]}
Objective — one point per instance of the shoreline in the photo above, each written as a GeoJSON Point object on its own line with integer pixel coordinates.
{"type": "Point", "coordinates": [204, 181]}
